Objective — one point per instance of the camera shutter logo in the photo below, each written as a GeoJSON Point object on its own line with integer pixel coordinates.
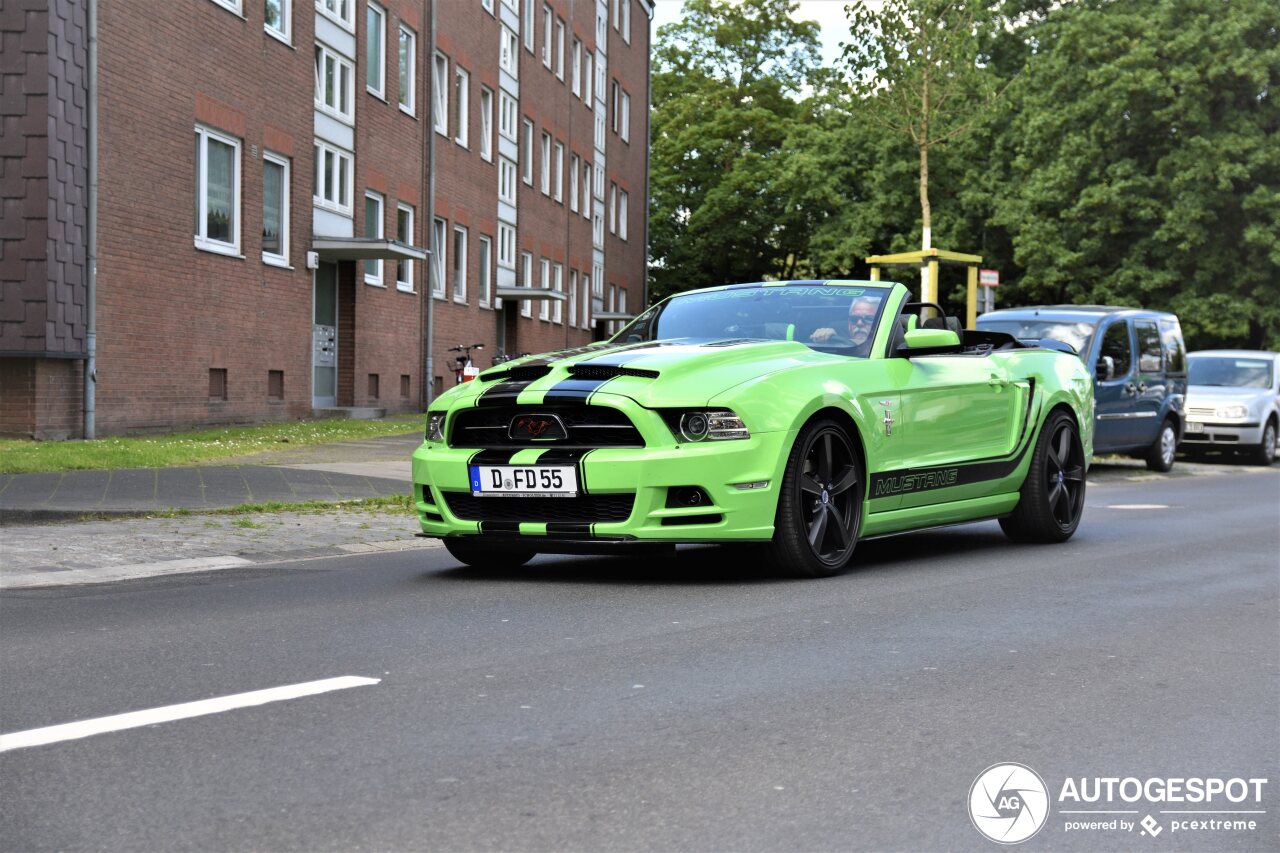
{"type": "Point", "coordinates": [1008, 803]}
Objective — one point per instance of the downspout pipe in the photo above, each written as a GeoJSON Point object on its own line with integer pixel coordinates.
{"type": "Point", "coordinates": [91, 224]}
{"type": "Point", "coordinates": [648, 155]}
{"type": "Point", "coordinates": [429, 125]}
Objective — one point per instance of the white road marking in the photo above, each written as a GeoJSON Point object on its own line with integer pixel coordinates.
{"type": "Point", "coordinates": [169, 713]}
{"type": "Point", "coordinates": [1138, 506]}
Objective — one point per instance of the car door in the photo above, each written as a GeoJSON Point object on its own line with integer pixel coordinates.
{"type": "Point", "coordinates": [955, 409]}
{"type": "Point", "coordinates": [1113, 398]}
{"type": "Point", "coordinates": [1151, 382]}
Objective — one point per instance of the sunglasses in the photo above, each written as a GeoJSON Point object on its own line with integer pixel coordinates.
{"type": "Point", "coordinates": [858, 319]}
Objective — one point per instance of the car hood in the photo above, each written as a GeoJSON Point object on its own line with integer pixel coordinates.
{"type": "Point", "coordinates": [1213, 395]}
{"type": "Point", "coordinates": [655, 373]}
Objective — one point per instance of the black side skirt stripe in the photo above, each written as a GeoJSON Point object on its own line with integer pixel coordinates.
{"type": "Point", "coordinates": [499, 527]}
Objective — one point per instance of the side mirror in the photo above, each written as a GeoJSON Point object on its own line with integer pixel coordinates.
{"type": "Point", "coordinates": [920, 339]}
{"type": "Point", "coordinates": [1106, 368]}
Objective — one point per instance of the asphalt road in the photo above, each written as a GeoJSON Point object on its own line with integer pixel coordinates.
{"type": "Point", "coordinates": [601, 704]}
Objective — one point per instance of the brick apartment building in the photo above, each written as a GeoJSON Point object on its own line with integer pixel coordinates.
{"type": "Point", "coordinates": [302, 204]}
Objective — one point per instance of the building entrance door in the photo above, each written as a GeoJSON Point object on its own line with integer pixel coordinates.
{"type": "Point", "coordinates": [324, 338]}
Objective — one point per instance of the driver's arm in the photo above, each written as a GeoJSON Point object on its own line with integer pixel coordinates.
{"type": "Point", "coordinates": [820, 335]}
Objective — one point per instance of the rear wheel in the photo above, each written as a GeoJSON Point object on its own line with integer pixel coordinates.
{"type": "Point", "coordinates": [1052, 496]}
{"type": "Point", "coordinates": [820, 505]}
{"type": "Point", "coordinates": [1160, 455]}
{"type": "Point", "coordinates": [477, 554]}
{"type": "Point", "coordinates": [1265, 453]}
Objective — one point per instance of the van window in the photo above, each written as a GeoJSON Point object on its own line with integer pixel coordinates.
{"type": "Point", "coordinates": [1150, 355]}
{"type": "Point", "coordinates": [1175, 353]}
{"type": "Point", "coordinates": [1115, 343]}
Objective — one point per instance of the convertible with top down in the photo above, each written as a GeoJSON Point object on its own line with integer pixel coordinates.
{"type": "Point", "coordinates": [801, 416]}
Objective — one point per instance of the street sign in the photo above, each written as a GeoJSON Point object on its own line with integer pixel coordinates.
{"type": "Point", "coordinates": [988, 278]}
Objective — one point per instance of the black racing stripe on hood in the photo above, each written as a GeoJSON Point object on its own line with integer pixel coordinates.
{"type": "Point", "coordinates": [504, 393]}
{"type": "Point", "coordinates": [573, 390]}
{"type": "Point", "coordinates": [559, 355]}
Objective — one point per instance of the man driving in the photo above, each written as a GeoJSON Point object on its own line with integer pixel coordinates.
{"type": "Point", "coordinates": [861, 325]}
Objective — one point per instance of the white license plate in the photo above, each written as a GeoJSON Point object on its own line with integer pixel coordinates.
{"type": "Point", "coordinates": [524, 481]}
{"type": "Point", "coordinates": [1193, 428]}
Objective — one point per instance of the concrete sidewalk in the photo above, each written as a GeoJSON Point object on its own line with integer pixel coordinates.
{"type": "Point", "coordinates": [332, 472]}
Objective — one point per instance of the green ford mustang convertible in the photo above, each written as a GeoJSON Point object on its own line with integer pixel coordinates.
{"type": "Point", "coordinates": [801, 416]}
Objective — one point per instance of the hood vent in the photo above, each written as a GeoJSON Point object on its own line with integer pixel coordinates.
{"type": "Point", "coordinates": [608, 371]}
{"type": "Point", "coordinates": [524, 373]}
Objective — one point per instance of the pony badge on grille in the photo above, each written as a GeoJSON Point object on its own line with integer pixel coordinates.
{"type": "Point", "coordinates": [537, 427]}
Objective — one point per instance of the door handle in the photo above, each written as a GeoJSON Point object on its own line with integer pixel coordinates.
{"type": "Point", "coordinates": [1130, 389]}
{"type": "Point", "coordinates": [997, 382]}
{"type": "Point", "coordinates": [1142, 387]}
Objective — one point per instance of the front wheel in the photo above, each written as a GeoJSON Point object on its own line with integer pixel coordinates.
{"type": "Point", "coordinates": [820, 505]}
{"type": "Point", "coordinates": [1160, 455]}
{"type": "Point", "coordinates": [1265, 453]}
{"type": "Point", "coordinates": [472, 552]}
{"type": "Point", "coordinates": [1052, 496]}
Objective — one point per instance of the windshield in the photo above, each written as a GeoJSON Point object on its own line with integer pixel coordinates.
{"type": "Point", "coordinates": [1075, 334]}
{"type": "Point", "coordinates": [832, 318]}
{"type": "Point", "coordinates": [1232, 372]}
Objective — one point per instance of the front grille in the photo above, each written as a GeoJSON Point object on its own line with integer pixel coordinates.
{"type": "Point", "coordinates": [587, 427]}
{"type": "Point", "coordinates": [582, 509]}
{"type": "Point", "coordinates": [523, 373]}
{"type": "Point", "coordinates": [1202, 410]}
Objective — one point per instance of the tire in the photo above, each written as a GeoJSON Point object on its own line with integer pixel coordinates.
{"type": "Point", "coordinates": [1265, 452]}
{"type": "Point", "coordinates": [1160, 455]}
{"type": "Point", "coordinates": [471, 551]}
{"type": "Point", "coordinates": [820, 505]}
{"type": "Point", "coordinates": [1052, 496]}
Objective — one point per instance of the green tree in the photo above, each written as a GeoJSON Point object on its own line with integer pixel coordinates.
{"type": "Point", "coordinates": [1145, 163]}
{"type": "Point", "coordinates": [727, 82]}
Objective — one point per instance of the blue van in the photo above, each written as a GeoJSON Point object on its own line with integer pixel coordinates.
{"type": "Point", "coordinates": [1139, 364]}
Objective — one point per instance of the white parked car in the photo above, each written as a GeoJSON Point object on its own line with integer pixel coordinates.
{"type": "Point", "coordinates": [1233, 402]}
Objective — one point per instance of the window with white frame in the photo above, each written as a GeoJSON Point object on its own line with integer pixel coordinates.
{"type": "Point", "coordinates": [559, 49]}
{"type": "Point", "coordinates": [557, 284]}
{"type": "Point", "coordinates": [599, 132]}
{"type": "Point", "coordinates": [526, 279]}
{"type": "Point", "coordinates": [277, 20]}
{"type": "Point", "coordinates": [528, 25]}
{"type": "Point", "coordinates": [544, 279]}
{"type": "Point", "coordinates": [526, 154]}
{"type": "Point", "coordinates": [622, 307]}
{"type": "Point", "coordinates": [599, 185]}
{"type": "Point", "coordinates": [617, 16]}
{"type": "Point", "coordinates": [486, 123]}
{"type": "Point", "coordinates": [373, 225]}
{"type": "Point", "coordinates": [626, 21]}
{"type": "Point", "coordinates": [439, 233]}
{"type": "Point", "coordinates": [544, 172]}
{"type": "Point", "coordinates": [573, 182]}
{"type": "Point", "coordinates": [615, 104]}
{"type": "Point", "coordinates": [597, 277]}
{"type": "Point", "coordinates": [586, 190]}
{"type": "Point", "coordinates": [506, 180]}
{"type": "Point", "coordinates": [586, 301]}
{"type": "Point", "coordinates": [440, 93]}
{"type": "Point", "coordinates": [461, 104]}
{"type": "Point", "coordinates": [375, 47]}
{"type": "Point", "coordinates": [510, 4]}
{"type": "Point", "coordinates": [547, 20]}
{"type": "Point", "coordinates": [233, 5]}
{"type": "Point", "coordinates": [506, 246]}
{"type": "Point", "coordinates": [573, 298]}
{"type": "Point", "coordinates": [333, 178]}
{"type": "Point", "coordinates": [484, 274]}
{"type": "Point", "coordinates": [335, 84]}
{"type": "Point", "coordinates": [557, 175]}
{"type": "Point", "coordinates": [587, 76]}
{"type": "Point", "coordinates": [623, 199]}
{"type": "Point", "coordinates": [625, 121]}
{"type": "Point", "coordinates": [488, 5]}
{"type": "Point", "coordinates": [507, 116]}
{"type": "Point", "coordinates": [575, 73]}
{"type": "Point", "coordinates": [459, 264]}
{"type": "Point", "coordinates": [601, 73]}
{"type": "Point", "coordinates": [404, 233]}
{"type": "Point", "coordinates": [507, 47]}
{"type": "Point", "coordinates": [602, 27]}
{"type": "Point", "coordinates": [613, 208]}
{"type": "Point", "coordinates": [340, 11]}
{"type": "Point", "coordinates": [275, 209]}
{"type": "Point", "coordinates": [217, 192]}
{"type": "Point", "coordinates": [597, 230]}
{"type": "Point", "coordinates": [408, 65]}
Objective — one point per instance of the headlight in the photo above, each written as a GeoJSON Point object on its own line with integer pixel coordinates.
{"type": "Point", "coordinates": [1231, 412]}
{"type": "Point", "coordinates": [716, 425]}
{"type": "Point", "coordinates": [435, 426]}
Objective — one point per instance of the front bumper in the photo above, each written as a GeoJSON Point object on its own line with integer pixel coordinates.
{"type": "Point", "coordinates": [1221, 434]}
{"type": "Point", "coordinates": [608, 477]}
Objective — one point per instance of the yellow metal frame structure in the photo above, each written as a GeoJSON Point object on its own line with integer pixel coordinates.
{"type": "Point", "coordinates": [931, 259]}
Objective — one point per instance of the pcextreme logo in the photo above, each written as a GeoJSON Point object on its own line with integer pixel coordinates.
{"type": "Point", "coordinates": [1008, 803]}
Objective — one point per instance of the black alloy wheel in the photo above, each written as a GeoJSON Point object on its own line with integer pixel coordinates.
{"type": "Point", "coordinates": [820, 507]}
{"type": "Point", "coordinates": [1052, 496]}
